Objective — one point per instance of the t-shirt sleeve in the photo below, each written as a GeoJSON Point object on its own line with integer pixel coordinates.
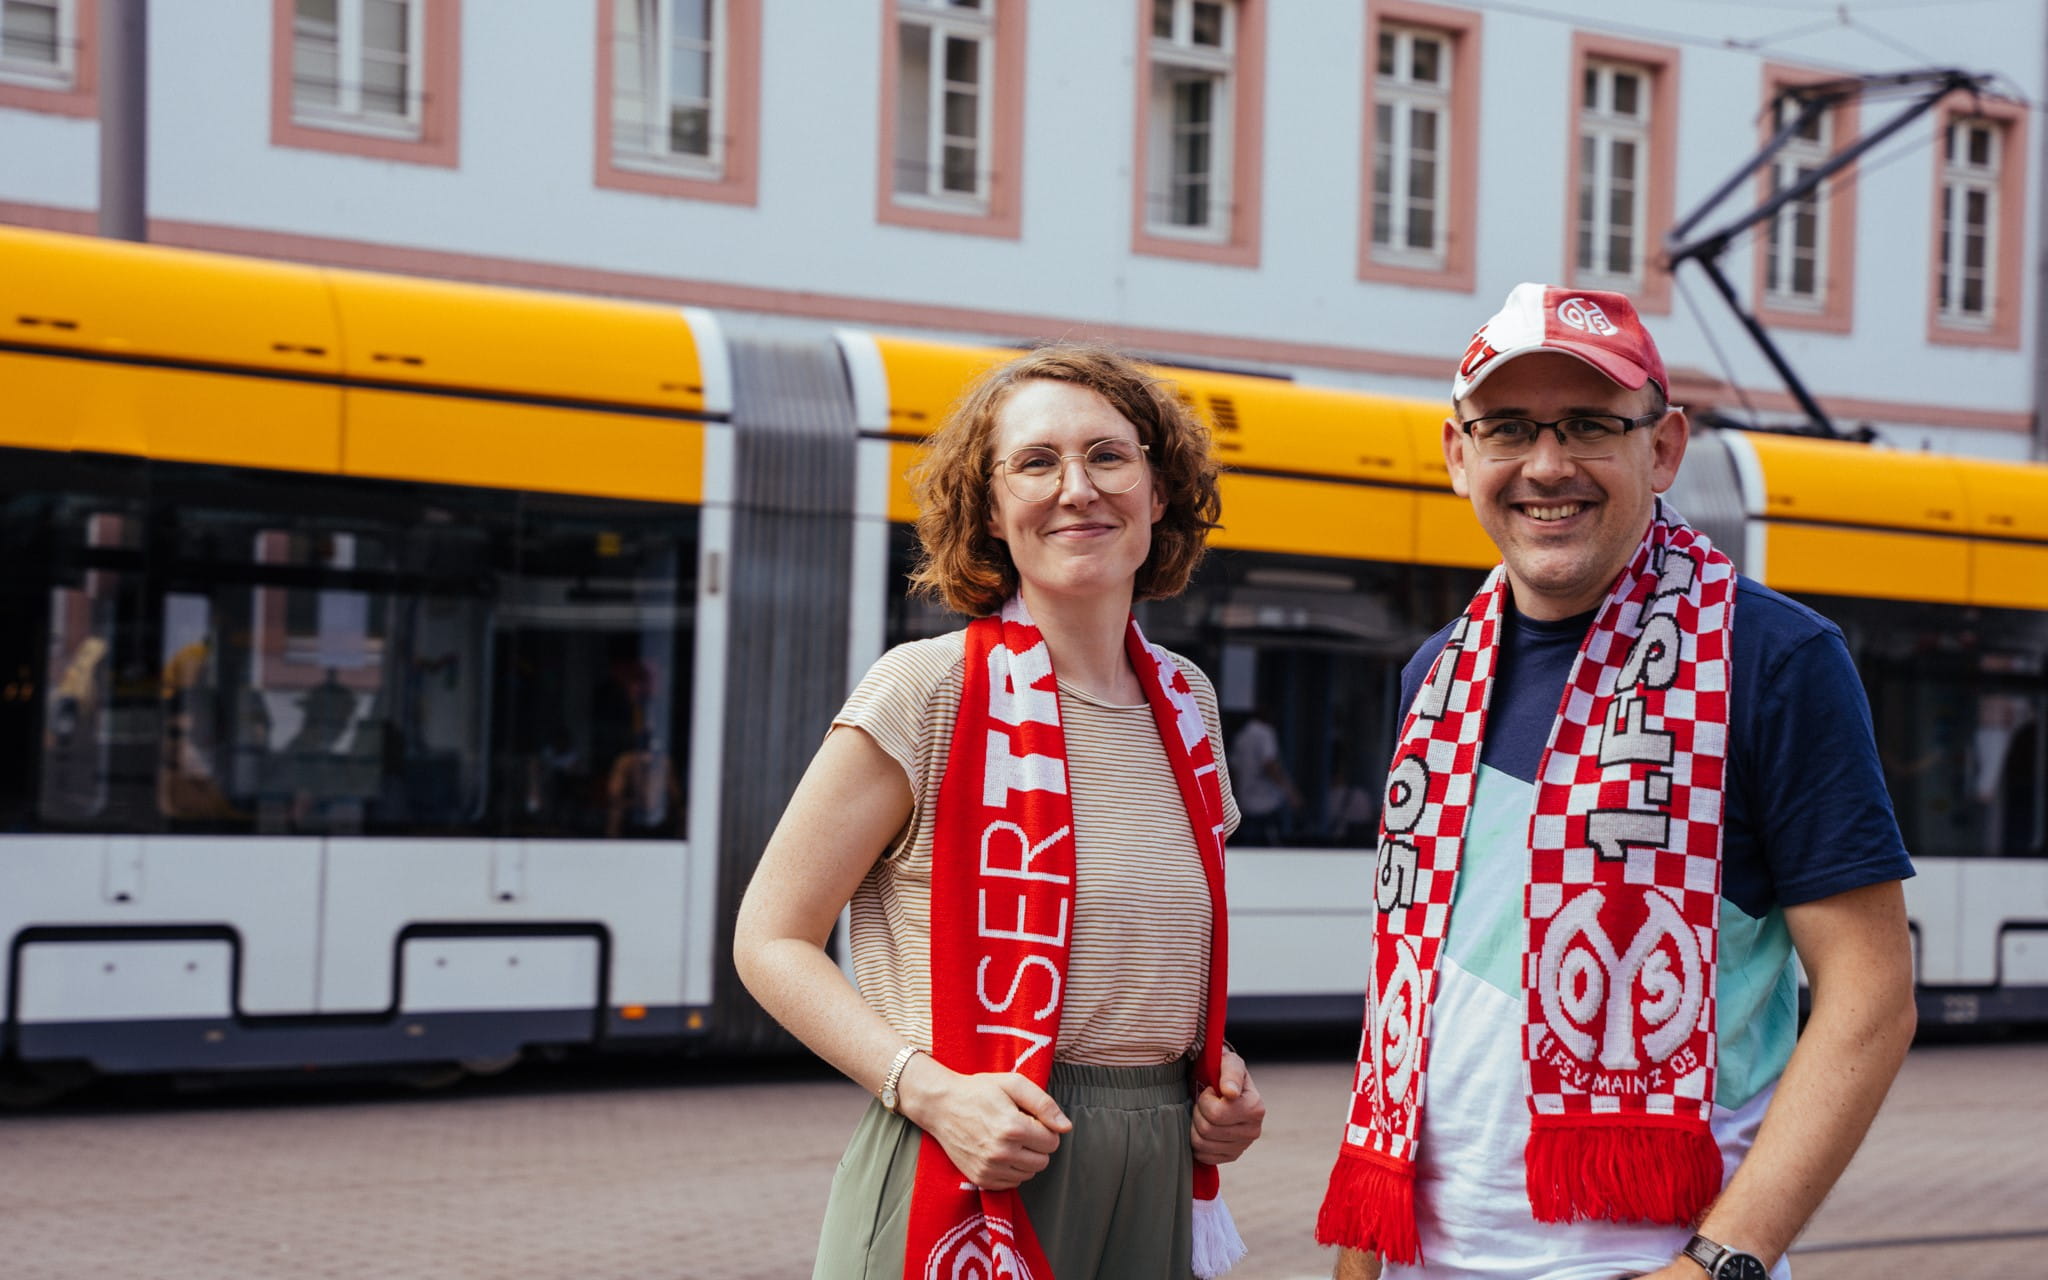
{"type": "Point", "coordinates": [1817, 795]}
{"type": "Point", "coordinates": [896, 701]}
{"type": "Point", "coordinates": [1205, 697]}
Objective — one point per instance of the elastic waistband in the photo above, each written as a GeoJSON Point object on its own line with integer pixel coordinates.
{"type": "Point", "coordinates": [1080, 1084]}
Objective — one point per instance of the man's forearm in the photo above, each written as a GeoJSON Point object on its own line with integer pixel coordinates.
{"type": "Point", "coordinates": [1855, 1040]}
{"type": "Point", "coordinates": [1356, 1264]}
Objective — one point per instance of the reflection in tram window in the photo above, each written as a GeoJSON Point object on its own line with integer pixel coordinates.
{"type": "Point", "coordinates": [1306, 657]}
{"type": "Point", "coordinates": [596, 637]}
{"type": "Point", "coordinates": [323, 673]}
{"type": "Point", "coordinates": [1959, 698]}
{"type": "Point", "coordinates": [96, 733]}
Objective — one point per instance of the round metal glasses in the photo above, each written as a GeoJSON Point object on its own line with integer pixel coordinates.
{"type": "Point", "coordinates": [1034, 473]}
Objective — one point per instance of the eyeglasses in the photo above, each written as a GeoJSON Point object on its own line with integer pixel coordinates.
{"type": "Point", "coordinates": [1583, 435]}
{"type": "Point", "coordinates": [1114, 466]}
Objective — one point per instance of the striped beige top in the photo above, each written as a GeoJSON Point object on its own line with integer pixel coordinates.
{"type": "Point", "coordinates": [1137, 975]}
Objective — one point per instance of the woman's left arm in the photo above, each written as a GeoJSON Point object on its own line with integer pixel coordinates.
{"type": "Point", "coordinates": [1229, 1114]}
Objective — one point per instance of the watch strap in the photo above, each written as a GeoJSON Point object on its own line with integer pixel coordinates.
{"type": "Point", "coordinates": [1703, 1251]}
{"type": "Point", "coordinates": [902, 1059]}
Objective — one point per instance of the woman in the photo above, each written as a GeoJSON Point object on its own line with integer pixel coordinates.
{"type": "Point", "coordinates": [1034, 863]}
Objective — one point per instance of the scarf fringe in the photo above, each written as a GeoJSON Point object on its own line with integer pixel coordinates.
{"type": "Point", "coordinates": [1218, 1247]}
{"type": "Point", "coordinates": [1622, 1172]}
{"type": "Point", "coordinates": [1370, 1205]}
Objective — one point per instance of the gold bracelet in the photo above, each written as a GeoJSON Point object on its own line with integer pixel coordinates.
{"type": "Point", "coordinates": [895, 1076]}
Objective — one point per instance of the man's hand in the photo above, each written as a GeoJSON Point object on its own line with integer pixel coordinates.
{"type": "Point", "coordinates": [1229, 1114]}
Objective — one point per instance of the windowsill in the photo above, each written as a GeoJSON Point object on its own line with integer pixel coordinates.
{"type": "Point", "coordinates": [957, 206]}
{"type": "Point", "coordinates": [362, 126]}
{"type": "Point", "coordinates": [1631, 285]}
{"type": "Point", "coordinates": [1417, 272]}
{"type": "Point", "coordinates": [1191, 235]}
{"type": "Point", "coordinates": [1393, 260]}
{"type": "Point", "coordinates": [48, 82]}
{"type": "Point", "coordinates": [680, 166]}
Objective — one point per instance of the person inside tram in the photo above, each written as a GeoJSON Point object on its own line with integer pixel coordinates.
{"type": "Point", "coordinates": [1350, 811]}
{"type": "Point", "coordinates": [1026, 817]}
{"type": "Point", "coordinates": [1266, 794]}
{"type": "Point", "coordinates": [643, 796]}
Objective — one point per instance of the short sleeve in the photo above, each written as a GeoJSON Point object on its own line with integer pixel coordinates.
{"type": "Point", "coordinates": [1815, 788]}
{"type": "Point", "coordinates": [904, 698]}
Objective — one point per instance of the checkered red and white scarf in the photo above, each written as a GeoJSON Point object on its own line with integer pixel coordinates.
{"type": "Point", "coordinates": [1002, 911]}
{"type": "Point", "coordinates": [1621, 909]}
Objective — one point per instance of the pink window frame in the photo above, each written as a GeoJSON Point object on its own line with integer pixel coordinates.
{"type": "Point", "coordinates": [1838, 298]}
{"type": "Point", "coordinates": [1661, 61]}
{"type": "Point", "coordinates": [739, 183]}
{"type": "Point", "coordinates": [1461, 28]}
{"type": "Point", "coordinates": [440, 94]}
{"type": "Point", "coordinates": [1004, 216]}
{"type": "Point", "coordinates": [2007, 277]}
{"type": "Point", "coordinates": [1248, 145]}
{"type": "Point", "coordinates": [82, 99]}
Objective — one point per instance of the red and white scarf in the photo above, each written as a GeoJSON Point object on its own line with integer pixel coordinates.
{"type": "Point", "coordinates": [1002, 912]}
{"type": "Point", "coordinates": [1621, 909]}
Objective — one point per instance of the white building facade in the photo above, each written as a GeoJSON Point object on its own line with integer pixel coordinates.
{"type": "Point", "coordinates": [1338, 190]}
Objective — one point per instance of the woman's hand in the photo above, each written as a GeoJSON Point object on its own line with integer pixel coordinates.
{"type": "Point", "coordinates": [998, 1128]}
{"type": "Point", "coordinates": [1229, 1114]}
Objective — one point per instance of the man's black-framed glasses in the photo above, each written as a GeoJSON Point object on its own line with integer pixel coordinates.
{"type": "Point", "coordinates": [1583, 435]}
{"type": "Point", "coordinates": [1114, 466]}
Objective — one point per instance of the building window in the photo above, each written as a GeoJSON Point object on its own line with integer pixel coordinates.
{"type": "Point", "coordinates": [38, 43]}
{"type": "Point", "coordinates": [1420, 174]}
{"type": "Point", "coordinates": [1805, 263]}
{"type": "Point", "coordinates": [1614, 145]}
{"type": "Point", "coordinates": [1979, 220]}
{"type": "Point", "coordinates": [1190, 144]}
{"type": "Point", "coordinates": [668, 85]}
{"type": "Point", "coordinates": [356, 65]}
{"type": "Point", "coordinates": [945, 61]}
{"type": "Point", "coordinates": [1970, 178]}
{"type": "Point", "coordinates": [372, 78]}
{"type": "Point", "coordinates": [1795, 242]}
{"type": "Point", "coordinates": [1411, 137]}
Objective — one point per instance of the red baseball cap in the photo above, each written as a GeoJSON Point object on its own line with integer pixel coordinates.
{"type": "Point", "coordinates": [1598, 327]}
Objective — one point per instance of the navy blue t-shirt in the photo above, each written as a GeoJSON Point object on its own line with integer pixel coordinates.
{"type": "Point", "coordinates": [1807, 815]}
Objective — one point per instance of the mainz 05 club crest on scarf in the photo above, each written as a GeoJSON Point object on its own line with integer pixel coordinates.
{"type": "Point", "coordinates": [1620, 911]}
{"type": "Point", "coordinates": [1002, 922]}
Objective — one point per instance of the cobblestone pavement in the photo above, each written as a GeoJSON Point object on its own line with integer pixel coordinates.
{"type": "Point", "coordinates": [716, 1175]}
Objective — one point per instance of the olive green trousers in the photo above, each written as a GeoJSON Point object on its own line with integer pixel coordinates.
{"type": "Point", "coordinates": [1115, 1203]}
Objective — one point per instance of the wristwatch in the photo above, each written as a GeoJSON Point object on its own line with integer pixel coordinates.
{"type": "Point", "coordinates": [895, 1076]}
{"type": "Point", "coordinates": [1723, 1263]}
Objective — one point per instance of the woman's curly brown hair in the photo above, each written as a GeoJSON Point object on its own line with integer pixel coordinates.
{"type": "Point", "coordinates": [969, 571]}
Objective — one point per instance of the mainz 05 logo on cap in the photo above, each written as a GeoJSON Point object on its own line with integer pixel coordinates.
{"type": "Point", "coordinates": [1585, 315]}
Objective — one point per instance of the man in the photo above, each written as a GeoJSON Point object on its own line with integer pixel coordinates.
{"type": "Point", "coordinates": [1629, 786]}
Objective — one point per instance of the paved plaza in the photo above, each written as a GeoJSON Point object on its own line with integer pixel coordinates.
{"type": "Point", "coordinates": [720, 1174]}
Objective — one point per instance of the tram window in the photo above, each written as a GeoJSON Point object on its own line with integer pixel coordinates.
{"type": "Point", "coordinates": [1306, 657]}
{"type": "Point", "coordinates": [595, 637]}
{"type": "Point", "coordinates": [97, 724]}
{"type": "Point", "coordinates": [1959, 700]}
{"type": "Point", "coordinates": [1316, 645]}
{"type": "Point", "coordinates": [912, 617]}
{"type": "Point", "coordinates": [324, 662]}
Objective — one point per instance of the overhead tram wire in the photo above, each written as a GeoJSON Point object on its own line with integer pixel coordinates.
{"type": "Point", "coordinates": [1699, 317]}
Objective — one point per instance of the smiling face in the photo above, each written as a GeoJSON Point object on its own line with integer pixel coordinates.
{"type": "Point", "coordinates": [1080, 541]}
{"type": "Point", "coordinates": [1565, 526]}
